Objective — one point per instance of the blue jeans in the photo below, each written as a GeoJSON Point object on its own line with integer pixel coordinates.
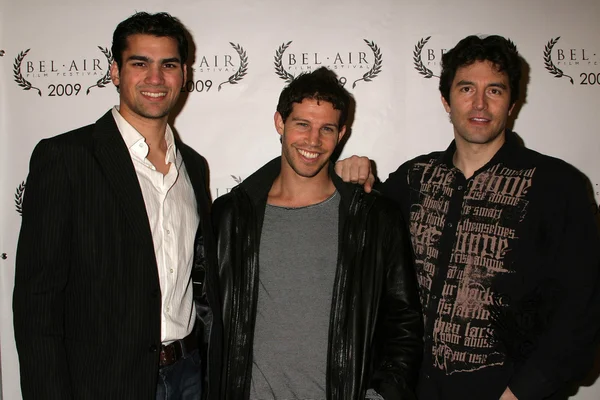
{"type": "Point", "coordinates": [182, 380]}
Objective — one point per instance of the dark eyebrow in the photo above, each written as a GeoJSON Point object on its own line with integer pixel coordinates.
{"type": "Point", "coordinates": [493, 84]}
{"type": "Point", "coordinates": [147, 59]}
{"type": "Point", "coordinates": [305, 120]}
{"type": "Point", "coordinates": [498, 84]}
{"type": "Point", "coordinates": [138, 58]}
{"type": "Point", "coordinates": [299, 119]}
{"type": "Point", "coordinates": [171, 60]}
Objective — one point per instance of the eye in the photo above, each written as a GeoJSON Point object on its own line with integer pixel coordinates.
{"type": "Point", "coordinates": [170, 65]}
{"type": "Point", "coordinates": [138, 64]}
{"type": "Point", "coordinates": [464, 89]}
{"type": "Point", "coordinates": [328, 129]}
{"type": "Point", "coordinates": [496, 91]}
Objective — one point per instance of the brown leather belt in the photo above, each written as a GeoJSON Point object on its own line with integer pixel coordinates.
{"type": "Point", "coordinates": [173, 352]}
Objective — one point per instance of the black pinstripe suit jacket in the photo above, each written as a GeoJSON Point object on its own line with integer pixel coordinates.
{"type": "Point", "coordinates": [87, 298]}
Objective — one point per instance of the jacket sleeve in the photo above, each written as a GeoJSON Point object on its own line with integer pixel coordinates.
{"type": "Point", "coordinates": [396, 188]}
{"type": "Point", "coordinates": [222, 218]}
{"type": "Point", "coordinates": [41, 275]}
{"type": "Point", "coordinates": [565, 350]}
{"type": "Point", "coordinates": [236, 234]}
{"type": "Point", "coordinates": [401, 324]}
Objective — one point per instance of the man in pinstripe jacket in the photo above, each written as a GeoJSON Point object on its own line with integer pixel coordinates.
{"type": "Point", "coordinates": [115, 239]}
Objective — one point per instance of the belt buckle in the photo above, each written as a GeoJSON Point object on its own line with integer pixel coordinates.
{"type": "Point", "coordinates": [167, 355]}
{"type": "Point", "coordinates": [173, 352]}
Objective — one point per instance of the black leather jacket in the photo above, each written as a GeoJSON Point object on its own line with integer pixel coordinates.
{"type": "Point", "coordinates": [375, 333]}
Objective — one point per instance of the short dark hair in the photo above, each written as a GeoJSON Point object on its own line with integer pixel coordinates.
{"type": "Point", "coordinates": [498, 50]}
{"type": "Point", "coordinates": [160, 24]}
{"type": "Point", "coordinates": [321, 85]}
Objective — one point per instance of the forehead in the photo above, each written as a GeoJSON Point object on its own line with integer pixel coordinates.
{"type": "Point", "coordinates": [315, 107]}
{"type": "Point", "coordinates": [142, 44]}
{"type": "Point", "coordinates": [480, 72]}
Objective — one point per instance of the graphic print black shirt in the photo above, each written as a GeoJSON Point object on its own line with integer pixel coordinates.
{"type": "Point", "coordinates": [507, 263]}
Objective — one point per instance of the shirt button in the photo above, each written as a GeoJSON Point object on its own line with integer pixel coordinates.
{"type": "Point", "coordinates": [450, 224]}
{"type": "Point", "coordinates": [460, 187]}
{"type": "Point", "coordinates": [168, 232]}
{"type": "Point", "coordinates": [171, 270]}
{"type": "Point", "coordinates": [153, 348]}
{"type": "Point", "coordinates": [434, 297]}
{"type": "Point", "coordinates": [168, 309]}
{"type": "Point", "coordinates": [141, 145]}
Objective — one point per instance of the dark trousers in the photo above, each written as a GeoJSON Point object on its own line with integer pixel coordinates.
{"type": "Point", "coordinates": [181, 380]}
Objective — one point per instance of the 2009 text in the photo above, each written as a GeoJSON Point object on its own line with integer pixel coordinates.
{"type": "Point", "coordinates": [589, 78]}
{"type": "Point", "coordinates": [64, 90]}
{"type": "Point", "coordinates": [197, 86]}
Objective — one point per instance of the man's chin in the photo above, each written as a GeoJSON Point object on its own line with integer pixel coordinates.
{"type": "Point", "coordinates": [155, 115]}
{"type": "Point", "coordinates": [309, 172]}
{"type": "Point", "coordinates": [482, 137]}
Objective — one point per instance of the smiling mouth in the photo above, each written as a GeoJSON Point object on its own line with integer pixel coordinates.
{"type": "Point", "coordinates": [478, 120]}
{"type": "Point", "coordinates": [155, 95]}
{"type": "Point", "coordinates": [308, 154]}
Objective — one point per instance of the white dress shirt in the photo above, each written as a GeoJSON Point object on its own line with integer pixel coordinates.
{"type": "Point", "coordinates": [173, 215]}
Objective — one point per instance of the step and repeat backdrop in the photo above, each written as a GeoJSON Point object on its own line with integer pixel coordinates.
{"type": "Point", "coordinates": [55, 57]}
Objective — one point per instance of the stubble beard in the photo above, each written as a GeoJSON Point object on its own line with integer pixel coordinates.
{"type": "Point", "coordinates": [291, 161]}
{"type": "Point", "coordinates": [472, 136]}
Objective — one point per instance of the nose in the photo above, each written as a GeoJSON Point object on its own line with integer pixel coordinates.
{"type": "Point", "coordinates": [155, 75]}
{"type": "Point", "coordinates": [479, 101]}
{"type": "Point", "coordinates": [314, 137]}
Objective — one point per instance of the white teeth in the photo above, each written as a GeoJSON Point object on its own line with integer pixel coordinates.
{"type": "Point", "coordinates": [479, 119]}
{"type": "Point", "coordinates": [152, 94]}
{"type": "Point", "coordinates": [308, 154]}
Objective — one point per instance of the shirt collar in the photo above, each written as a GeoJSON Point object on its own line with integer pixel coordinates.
{"type": "Point", "coordinates": [136, 143]}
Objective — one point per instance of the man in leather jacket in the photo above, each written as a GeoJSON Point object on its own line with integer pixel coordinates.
{"type": "Point", "coordinates": [319, 294]}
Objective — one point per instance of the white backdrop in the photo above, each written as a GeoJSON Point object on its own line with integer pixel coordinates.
{"type": "Point", "coordinates": [54, 56]}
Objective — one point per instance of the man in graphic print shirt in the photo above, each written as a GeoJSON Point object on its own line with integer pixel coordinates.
{"type": "Point", "coordinates": [505, 244]}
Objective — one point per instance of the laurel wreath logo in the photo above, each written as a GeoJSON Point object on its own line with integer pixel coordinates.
{"type": "Point", "coordinates": [19, 198]}
{"type": "Point", "coordinates": [418, 62]}
{"type": "Point", "coordinates": [553, 69]}
{"type": "Point", "coordinates": [279, 70]}
{"type": "Point", "coordinates": [237, 179]}
{"type": "Point", "coordinates": [242, 70]}
{"type": "Point", "coordinates": [105, 80]}
{"type": "Point", "coordinates": [373, 72]}
{"type": "Point", "coordinates": [22, 82]}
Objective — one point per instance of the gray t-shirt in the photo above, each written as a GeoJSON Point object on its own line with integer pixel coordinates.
{"type": "Point", "coordinates": [298, 257]}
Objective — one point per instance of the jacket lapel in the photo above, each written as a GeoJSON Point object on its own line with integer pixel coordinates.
{"type": "Point", "coordinates": [113, 157]}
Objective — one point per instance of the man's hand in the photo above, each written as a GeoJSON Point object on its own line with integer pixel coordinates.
{"type": "Point", "coordinates": [508, 395]}
{"type": "Point", "coordinates": [356, 169]}
{"type": "Point", "coordinates": [373, 395]}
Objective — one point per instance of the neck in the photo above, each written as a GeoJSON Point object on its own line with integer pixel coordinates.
{"type": "Point", "coordinates": [469, 157]}
{"type": "Point", "coordinates": [291, 190]}
{"type": "Point", "coordinates": [152, 129]}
